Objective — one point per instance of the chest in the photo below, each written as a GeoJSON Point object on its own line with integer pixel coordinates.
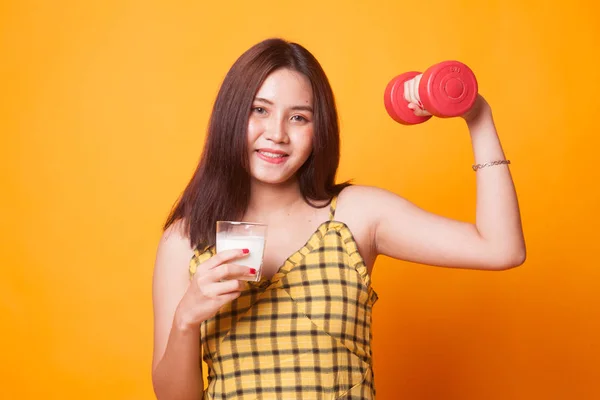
{"type": "Point", "coordinates": [285, 239]}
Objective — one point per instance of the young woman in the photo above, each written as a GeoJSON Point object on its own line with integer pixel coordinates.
{"type": "Point", "coordinates": [303, 331]}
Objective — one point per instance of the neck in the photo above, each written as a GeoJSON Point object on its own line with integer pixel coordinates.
{"type": "Point", "coordinates": [270, 201]}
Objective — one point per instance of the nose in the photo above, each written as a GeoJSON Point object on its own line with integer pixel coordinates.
{"type": "Point", "coordinates": [277, 130]}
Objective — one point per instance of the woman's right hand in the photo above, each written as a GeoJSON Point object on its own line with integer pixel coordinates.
{"type": "Point", "coordinates": [217, 281]}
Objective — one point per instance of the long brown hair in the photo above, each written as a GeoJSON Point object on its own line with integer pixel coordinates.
{"type": "Point", "coordinates": [220, 187]}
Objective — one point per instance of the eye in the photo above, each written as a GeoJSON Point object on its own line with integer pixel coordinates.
{"type": "Point", "coordinates": [258, 110]}
{"type": "Point", "coordinates": [299, 118]}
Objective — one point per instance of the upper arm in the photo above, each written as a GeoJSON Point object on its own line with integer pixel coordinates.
{"type": "Point", "coordinates": [404, 231]}
{"type": "Point", "coordinates": [170, 282]}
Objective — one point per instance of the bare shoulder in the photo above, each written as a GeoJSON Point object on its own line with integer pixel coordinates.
{"type": "Point", "coordinates": [364, 201]}
{"type": "Point", "coordinates": [357, 194]}
{"type": "Point", "coordinates": [173, 254]}
{"type": "Point", "coordinates": [358, 207]}
{"type": "Point", "coordinates": [174, 241]}
{"type": "Point", "coordinates": [365, 206]}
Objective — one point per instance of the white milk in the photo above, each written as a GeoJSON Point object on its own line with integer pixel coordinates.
{"type": "Point", "coordinates": [256, 245]}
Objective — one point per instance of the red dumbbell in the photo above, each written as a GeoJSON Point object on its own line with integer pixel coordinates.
{"type": "Point", "coordinates": [447, 89]}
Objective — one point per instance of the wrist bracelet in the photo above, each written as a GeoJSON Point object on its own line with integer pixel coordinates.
{"type": "Point", "coordinates": [489, 164]}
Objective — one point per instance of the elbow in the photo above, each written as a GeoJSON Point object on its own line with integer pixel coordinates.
{"type": "Point", "coordinates": [158, 392]}
{"type": "Point", "coordinates": [509, 260]}
{"type": "Point", "coordinates": [165, 387]}
{"type": "Point", "coordinates": [161, 391]}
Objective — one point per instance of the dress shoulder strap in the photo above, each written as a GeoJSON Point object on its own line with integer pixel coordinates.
{"type": "Point", "coordinates": [332, 206]}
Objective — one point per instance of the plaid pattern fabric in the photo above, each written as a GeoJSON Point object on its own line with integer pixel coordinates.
{"type": "Point", "coordinates": [303, 334]}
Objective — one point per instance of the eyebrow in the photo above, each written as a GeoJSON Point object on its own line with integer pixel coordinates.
{"type": "Point", "coordinates": [295, 108]}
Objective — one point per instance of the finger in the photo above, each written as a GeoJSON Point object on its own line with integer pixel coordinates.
{"type": "Point", "coordinates": [225, 272]}
{"type": "Point", "coordinates": [418, 111]}
{"type": "Point", "coordinates": [416, 95]}
{"type": "Point", "coordinates": [411, 92]}
{"type": "Point", "coordinates": [232, 286]}
{"type": "Point", "coordinates": [215, 290]}
{"type": "Point", "coordinates": [232, 271]}
{"type": "Point", "coordinates": [224, 257]}
{"type": "Point", "coordinates": [229, 297]}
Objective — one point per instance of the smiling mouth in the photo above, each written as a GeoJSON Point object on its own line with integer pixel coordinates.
{"type": "Point", "coordinates": [269, 154]}
{"type": "Point", "coordinates": [272, 157]}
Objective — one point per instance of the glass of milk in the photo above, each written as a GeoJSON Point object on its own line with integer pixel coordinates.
{"type": "Point", "coordinates": [243, 235]}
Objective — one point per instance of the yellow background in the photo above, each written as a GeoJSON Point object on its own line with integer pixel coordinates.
{"type": "Point", "coordinates": [103, 111]}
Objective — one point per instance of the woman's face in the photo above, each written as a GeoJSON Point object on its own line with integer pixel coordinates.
{"type": "Point", "coordinates": [280, 127]}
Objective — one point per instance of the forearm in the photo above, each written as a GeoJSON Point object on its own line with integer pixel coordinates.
{"type": "Point", "coordinates": [498, 217]}
{"type": "Point", "coordinates": [178, 375]}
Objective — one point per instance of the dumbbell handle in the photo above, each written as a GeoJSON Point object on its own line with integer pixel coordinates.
{"type": "Point", "coordinates": [410, 94]}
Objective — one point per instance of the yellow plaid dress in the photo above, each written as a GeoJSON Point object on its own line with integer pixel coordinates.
{"type": "Point", "coordinates": [303, 334]}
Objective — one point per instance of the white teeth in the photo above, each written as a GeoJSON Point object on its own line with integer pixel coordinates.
{"type": "Point", "coordinates": [271, 155]}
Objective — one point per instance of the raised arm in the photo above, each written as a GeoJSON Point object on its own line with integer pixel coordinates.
{"type": "Point", "coordinates": [494, 242]}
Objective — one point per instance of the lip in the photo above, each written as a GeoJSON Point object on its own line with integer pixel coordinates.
{"type": "Point", "coordinates": [267, 150]}
{"type": "Point", "coordinates": [272, 160]}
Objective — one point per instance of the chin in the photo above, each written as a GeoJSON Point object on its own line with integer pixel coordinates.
{"type": "Point", "coordinates": [273, 180]}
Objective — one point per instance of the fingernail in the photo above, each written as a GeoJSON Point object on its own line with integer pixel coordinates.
{"type": "Point", "coordinates": [245, 251]}
{"type": "Point", "coordinates": [252, 271]}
